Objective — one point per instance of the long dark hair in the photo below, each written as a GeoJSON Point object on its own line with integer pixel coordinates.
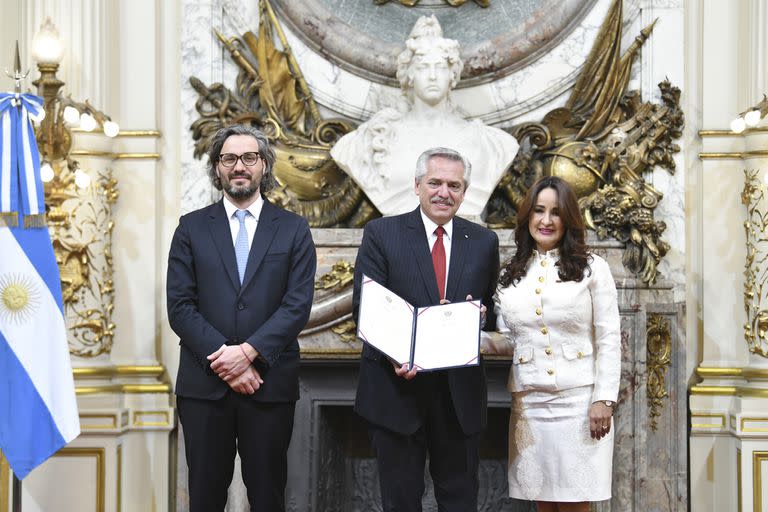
{"type": "Point", "coordinates": [574, 259]}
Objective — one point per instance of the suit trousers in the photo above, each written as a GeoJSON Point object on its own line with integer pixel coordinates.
{"type": "Point", "coordinates": [453, 456]}
{"type": "Point", "coordinates": [215, 429]}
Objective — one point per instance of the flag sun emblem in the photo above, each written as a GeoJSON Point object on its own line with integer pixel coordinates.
{"type": "Point", "coordinates": [18, 298]}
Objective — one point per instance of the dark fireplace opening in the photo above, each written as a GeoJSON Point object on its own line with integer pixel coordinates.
{"type": "Point", "coordinates": [347, 475]}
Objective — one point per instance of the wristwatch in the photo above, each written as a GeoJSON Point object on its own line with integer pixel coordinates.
{"type": "Point", "coordinates": [609, 403]}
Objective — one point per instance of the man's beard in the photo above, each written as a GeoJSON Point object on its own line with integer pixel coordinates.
{"type": "Point", "coordinates": [242, 191]}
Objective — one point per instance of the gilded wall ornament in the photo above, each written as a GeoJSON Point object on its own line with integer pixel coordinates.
{"type": "Point", "coordinates": [339, 277]}
{"type": "Point", "coordinates": [755, 267]}
{"type": "Point", "coordinates": [81, 228]}
{"type": "Point", "coordinates": [659, 343]}
{"type": "Point", "coordinates": [333, 302]}
{"type": "Point", "coordinates": [603, 142]}
{"type": "Point", "coordinates": [346, 331]}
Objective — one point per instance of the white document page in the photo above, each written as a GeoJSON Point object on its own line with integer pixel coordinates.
{"type": "Point", "coordinates": [448, 336]}
{"type": "Point", "coordinates": [385, 321]}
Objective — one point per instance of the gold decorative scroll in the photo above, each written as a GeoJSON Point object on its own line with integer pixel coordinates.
{"type": "Point", "coordinates": [755, 267]}
{"type": "Point", "coordinates": [346, 330]}
{"type": "Point", "coordinates": [659, 344]}
{"type": "Point", "coordinates": [604, 142]}
{"type": "Point", "coordinates": [339, 277]}
{"type": "Point", "coordinates": [81, 227]}
{"type": "Point", "coordinates": [333, 283]}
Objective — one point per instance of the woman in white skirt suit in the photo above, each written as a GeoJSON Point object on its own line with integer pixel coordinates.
{"type": "Point", "coordinates": [558, 307]}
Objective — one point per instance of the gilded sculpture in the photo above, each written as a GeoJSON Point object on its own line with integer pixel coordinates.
{"type": "Point", "coordinates": [659, 339]}
{"type": "Point", "coordinates": [80, 222]}
{"type": "Point", "coordinates": [81, 228]}
{"type": "Point", "coordinates": [603, 142]}
{"type": "Point", "coordinates": [271, 93]}
{"type": "Point", "coordinates": [755, 269]}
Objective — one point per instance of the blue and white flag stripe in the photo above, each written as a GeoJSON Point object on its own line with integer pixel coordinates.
{"type": "Point", "coordinates": [40, 413]}
{"type": "Point", "coordinates": [30, 168]}
{"type": "Point", "coordinates": [8, 179]}
{"type": "Point", "coordinates": [19, 158]}
{"type": "Point", "coordinates": [38, 409]}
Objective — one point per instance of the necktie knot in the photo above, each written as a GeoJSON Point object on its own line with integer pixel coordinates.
{"type": "Point", "coordinates": [241, 243]}
{"type": "Point", "coordinates": [439, 231]}
{"type": "Point", "coordinates": [241, 214]}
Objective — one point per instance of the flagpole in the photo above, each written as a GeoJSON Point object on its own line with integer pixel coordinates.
{"type": "Point", "coordinates": [16, 494]}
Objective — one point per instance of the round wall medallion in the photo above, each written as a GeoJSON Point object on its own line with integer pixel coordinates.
{"type": "Point", "coordinates": [364, 38]}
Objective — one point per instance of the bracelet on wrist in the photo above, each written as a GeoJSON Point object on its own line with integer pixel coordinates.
{"type": "Point", "coordinates": [245, 354]}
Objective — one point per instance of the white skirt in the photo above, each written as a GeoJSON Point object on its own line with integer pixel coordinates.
{"type": "Point", "coordinates": [552, 456]}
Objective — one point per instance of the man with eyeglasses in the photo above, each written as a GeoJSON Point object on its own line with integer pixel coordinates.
{"type": "Point", "coordinates": [240, 287]}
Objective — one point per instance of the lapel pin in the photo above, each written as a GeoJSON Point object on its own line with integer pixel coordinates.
{"type": "Point", "coordinates": [466, 236]}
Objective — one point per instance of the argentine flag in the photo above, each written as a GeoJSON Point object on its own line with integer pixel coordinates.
{"type": "Point", "coordinates": [38, 410]}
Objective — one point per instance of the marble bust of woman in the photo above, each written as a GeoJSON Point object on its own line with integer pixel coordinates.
{"type": "Point", "coordinates": [380, 155]}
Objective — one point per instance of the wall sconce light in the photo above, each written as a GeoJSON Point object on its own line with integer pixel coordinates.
{"type": "Point", "coordinates": [61, 113]}
{"type": "Point", "coordinates": [750, 117]}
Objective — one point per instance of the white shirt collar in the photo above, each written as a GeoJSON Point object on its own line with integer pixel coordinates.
{"type": "Point", "coordinates": [430, 226]}
{"type": "Point", "coordinates": [552, 254]}
{"type": "Point", "coordinates": [254, 208]}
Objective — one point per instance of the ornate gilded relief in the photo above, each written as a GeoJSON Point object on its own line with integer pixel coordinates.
{"type": "Point", "coordinates": [81, 227]}
{"type": "Point", "coordinates": [271, 94]}
{"type": "Point", "coordinates": [333, 306]}
{"type": "Point", "coordinates": [339, 277]}
{"type": "Point", "coordinates": [79, 218]}
{"type": "Point", "coordinates": [659, 341]}
{"type": "Point", "coordinates": [755, 267]}
{"type": "Point", "coordinates": [604, 142]}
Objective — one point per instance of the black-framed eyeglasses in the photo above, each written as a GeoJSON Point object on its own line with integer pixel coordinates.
{"type": "Point", "coordinates": [249, 159]}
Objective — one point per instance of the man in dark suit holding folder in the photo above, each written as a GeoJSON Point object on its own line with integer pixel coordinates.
{"type": "Point", "coordinates": [427, 256]}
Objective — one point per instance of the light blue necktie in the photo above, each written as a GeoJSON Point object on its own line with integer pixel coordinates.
{"type": "Point", "coordinates": [241, 244]}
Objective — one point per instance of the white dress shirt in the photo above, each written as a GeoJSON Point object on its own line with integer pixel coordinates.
{"type": "Point", "coordinates": [430, 227]}
{"type": "Point", "coordinates": [565, 334]}
{"type": "Point", "coordinates": [251, 221]}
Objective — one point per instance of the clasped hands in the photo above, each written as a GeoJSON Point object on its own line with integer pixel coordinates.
{"type": "Point", "coordinates": [232, 363]}
{"type": "Point", "coordinates": [408, 373]}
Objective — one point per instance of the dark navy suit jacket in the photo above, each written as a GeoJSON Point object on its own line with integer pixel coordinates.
{"type": "Point", "coordinates": [395, 252]}
{"type": "Point", "coordinates": [207, 306]}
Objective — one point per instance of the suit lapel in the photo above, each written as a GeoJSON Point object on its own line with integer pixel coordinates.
{"type": "Point", "coordinates": [459, 247]}
{"type": "Point", "coordinates": [417, 239]}
{"type": "Point", "coordinates": [265, 232]}
{"type": "Point", "coordinates": [222, 240]}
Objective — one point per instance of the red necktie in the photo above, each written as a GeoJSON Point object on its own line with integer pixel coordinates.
{"type": "Point", "coordinates": [438, 260]}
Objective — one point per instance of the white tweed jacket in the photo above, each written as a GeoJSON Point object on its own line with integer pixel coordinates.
{"type": "Point", "coordinates": [564, 334]}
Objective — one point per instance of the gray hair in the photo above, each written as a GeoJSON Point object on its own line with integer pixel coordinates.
{"type": "Point", "coordinates": [448, 154]}
{"type": "Point", "coordinates": [268, 181]}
